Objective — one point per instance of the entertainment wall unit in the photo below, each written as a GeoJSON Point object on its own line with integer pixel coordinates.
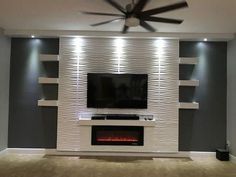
{"type": "Point", "coordinates": [157, 124]}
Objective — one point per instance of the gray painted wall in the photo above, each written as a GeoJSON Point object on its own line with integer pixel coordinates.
{"type": "Point", "coordinates": [231, 96]}
{"type": "Point", "coordinates": [31, 126]}
{"type": "Point", "coordinates": [5, 44]}
{"type": "Point", "coordinates": [204, 129]}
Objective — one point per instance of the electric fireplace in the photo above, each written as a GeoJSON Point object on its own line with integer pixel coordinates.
{"type": "Point", "coordinates": [117, 135]}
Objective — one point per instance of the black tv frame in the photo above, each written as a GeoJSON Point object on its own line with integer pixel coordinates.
{"type": "Point", "coordinates": [144, 107]}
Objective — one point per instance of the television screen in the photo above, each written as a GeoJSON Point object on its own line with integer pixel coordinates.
{"type": "Point", "coordinates": [117, 90]}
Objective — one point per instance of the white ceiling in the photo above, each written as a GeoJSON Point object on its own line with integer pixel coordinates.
{"type": "Point", "coordinates": [202, 16]}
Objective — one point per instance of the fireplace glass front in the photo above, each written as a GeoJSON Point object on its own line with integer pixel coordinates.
{"type": "Point", "coordinates": [117, 135]}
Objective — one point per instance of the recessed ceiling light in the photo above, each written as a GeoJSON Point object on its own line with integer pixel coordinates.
{"type": "Point", "coordinates": [205, 39]}
{"type": "Point", "coordinates": [32, 36]}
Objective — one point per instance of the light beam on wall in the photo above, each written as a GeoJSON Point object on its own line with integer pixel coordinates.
{"type": "Point", "coordinates": [78, 47]}
{"type": "Point", "coordinates": [32, 67]}
{"type": "Point", "coordinates": [78, 42]}
{"type": "Point", "coordinates": [119, 45]}
{"type": "Point", "coordinates": [32, 60]}
{"type": "Point", "coordinates": [159, 44]}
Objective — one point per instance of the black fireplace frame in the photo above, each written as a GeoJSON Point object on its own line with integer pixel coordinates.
{"type": "Point", "coordinates": [94, 129]}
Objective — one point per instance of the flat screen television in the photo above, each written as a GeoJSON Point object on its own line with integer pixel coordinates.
{"type": "Point", "coordinates": [117, 90]}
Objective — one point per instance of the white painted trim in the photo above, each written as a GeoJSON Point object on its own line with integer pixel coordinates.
{"type": "Point", "coordinates": [36, 151]}
{"type": "Point", "coordinates": [3, 152]}
{"type": "Point", "coordinates": [181, 154]}
{"type": "Point", "coordinates": [201, 154]}
{"type": "Point", "coordinates": [47, 80]}
{"type": "Point", "coordinates": [188, 60]}
{"type": "Point", "coordinates": [48, 57]}
{"type": "Point", "coordinates": [186, 105]}
{"type": "Point", "coordinates": [232, 158]}
{"type": "Point", "coordinates": [189, 83]}
{"type": "Point", "coordinates": [110, 34]}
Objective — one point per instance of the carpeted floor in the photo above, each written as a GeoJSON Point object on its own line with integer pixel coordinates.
{"type": "Point", "coordinates": [58, 166]}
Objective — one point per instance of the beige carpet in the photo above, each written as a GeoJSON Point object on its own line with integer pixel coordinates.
{"type": "Point", "coordinates": [52, 166]}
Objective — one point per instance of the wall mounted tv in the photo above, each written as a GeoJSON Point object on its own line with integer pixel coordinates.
{"type": "Point", "coordinates": [117, 90]}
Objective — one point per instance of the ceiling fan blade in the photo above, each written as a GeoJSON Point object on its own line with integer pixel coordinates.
{"type": "Point", "coordinates": [125, 29]}
{"type": "Point", "coordinates": [162, 20]}
{"type": "Point", "coordinates": [105, 22]}
{"type": "Point", "coordinates": [167, 8]}
{"type": "Point", "coordinates": [147, 26]}
{"type": "Point", "coordinates": [139, 6]}
{"type": "Point", "coordinates": [116, 5]}
{"type": "Point", "coordinates": [104, 14]}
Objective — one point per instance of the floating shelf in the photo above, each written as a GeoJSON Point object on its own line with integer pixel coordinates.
{"type": "Point", "coordinates": [193, 83]}
{"type": "Point", "coordinates": [46, 80]}
{"type": "Point", "coordinates": [186, 105]}
{"type": "Point", "coordinates": [150, 123]}
{"type": "Point", "coordinates": [47, 102]}
{"type": "Point", "coordinates": [188, 61]}
{"type": "Point", "coordinates": [48, 57]}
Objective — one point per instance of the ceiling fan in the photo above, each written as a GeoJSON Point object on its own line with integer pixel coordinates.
{"type": "Point", "coordinates": [134, 15]}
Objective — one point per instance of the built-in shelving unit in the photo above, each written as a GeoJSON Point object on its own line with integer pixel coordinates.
{"type": "Point", "coordinates": [47, 102]}
{"type": "Point", "coordinates": [188, 83]}
{"type": "Point", "coordinates": [193, 83]}
{"type": "Point", "coordinates": [188, 61]}
{"type": "Point", "coordinates": [186, 105]}
{"type": "Point", "coordinates": [47, 80]}
{"type": "Point", "coordinates": [48, 57]}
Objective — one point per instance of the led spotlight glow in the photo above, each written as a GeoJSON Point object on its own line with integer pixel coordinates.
{"type": "Point", "coordinates": [79, 42]}
{"type": "Point", "coordinates": [32, 36]}
{"type": "Point", "coordinates": [119, 45]}
{"type": "Point", "coordinates": [205, 39]}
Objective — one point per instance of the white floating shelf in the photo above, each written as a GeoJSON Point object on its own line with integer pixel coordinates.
{"type": "Point", "coordinates": [188, 61]}
{"type": "Point", "coordinates": [47, 102]}
{"type": "Point", "coordinates": [47, 80]}
{"type": "Point", "coordinates": [48, 57]}
{"type": "Point", "coordinates": [193, 83]}
{"type": "Point", "coordinates": [150, 123]}
{"type": "Point", "coordinates": [192, 105]}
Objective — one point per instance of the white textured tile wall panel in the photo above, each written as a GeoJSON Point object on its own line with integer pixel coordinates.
{"type": "Point", "coordinates": [157, 58]}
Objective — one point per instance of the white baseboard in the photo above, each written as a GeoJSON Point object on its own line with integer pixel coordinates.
{"type": "Point", "coordinates": [5, 151]}
{"type": "Point", "coordinates": [232, 158]}
{"type": "Point", "coordinates": [35, 151]}
{"type": "Point", "coordinates": [181, 154]}
{"type": "Point", "coordinates": [201, 154]}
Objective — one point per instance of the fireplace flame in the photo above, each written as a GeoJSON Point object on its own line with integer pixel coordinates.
{"type": "Point", "coordinates": [117, 139]}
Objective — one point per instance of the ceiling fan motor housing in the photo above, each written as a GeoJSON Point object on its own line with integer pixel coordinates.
{"type": "Point", "coordinates": [132, 22]}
